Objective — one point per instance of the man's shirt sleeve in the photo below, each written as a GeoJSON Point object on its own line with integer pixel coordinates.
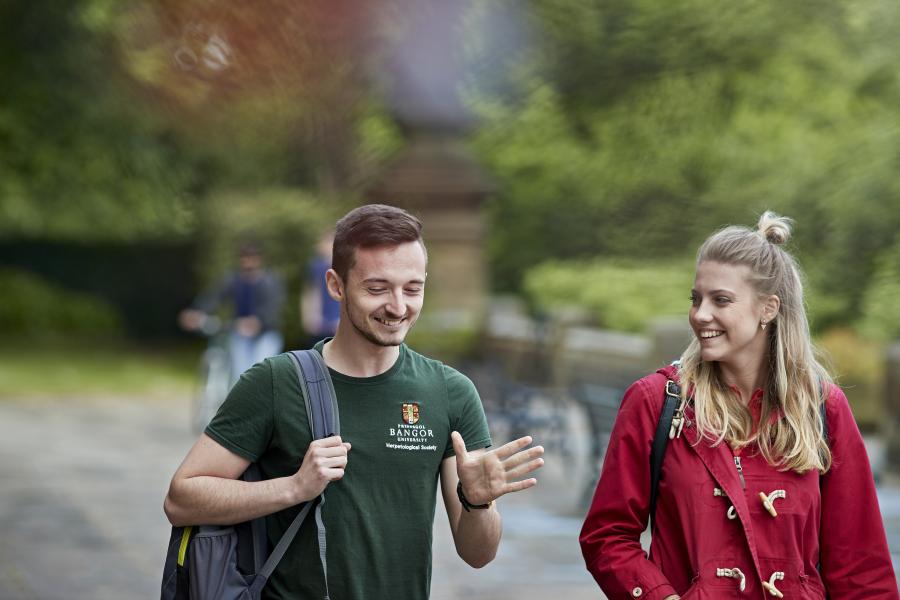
{"type": "Point", "coordinates": [466, 412]}
{"type": "Point", "coordinates": [244, 422]}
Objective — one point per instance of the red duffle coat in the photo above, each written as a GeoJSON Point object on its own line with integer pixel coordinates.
{"type": "Point", "coordinates": [697, 551]}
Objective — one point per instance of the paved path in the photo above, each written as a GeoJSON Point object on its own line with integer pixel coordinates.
{"type": "Point", "coordinates": [81, 511]}
{"type": "Point", "coordinates": [82, 489]}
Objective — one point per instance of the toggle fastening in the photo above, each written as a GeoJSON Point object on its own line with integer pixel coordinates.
{"type": "Point", "coordinates": [770, 584]}
{"type": "Point", "coordinates": [768, 501]}
{"type": "Point", "coordinates": [734, 573]}
{"type": "Point", "coordinates": [730, 514]}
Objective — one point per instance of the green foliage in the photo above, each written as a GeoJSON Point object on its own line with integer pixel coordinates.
{"type": "Point", "coordinates": [881, 308]}
{"type": "Point", "coordinates": [83, 368]}
{"type": "Point", "coordinates": [104, 137]}
{"type": "Point", "coordinates": [618, 129]}
{"type": "Point", "coordinates": [636, 128]}
{"type": "Point", "coordinates": [285, 221]}
{"type": "Point", "coordinates": [32, 307]}
{"type": "Point", "coordinates": [619, 295]}
{"type": "Point", "coordinates": [77, 160]}
{"type": "Point", "coordinates": [858, 366]}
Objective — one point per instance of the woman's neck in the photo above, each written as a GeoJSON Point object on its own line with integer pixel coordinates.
{"type": "Point", "coordinates": [745, 378]}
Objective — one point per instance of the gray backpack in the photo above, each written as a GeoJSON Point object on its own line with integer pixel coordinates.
{"type": "Point", "coordinates": [206, 562]}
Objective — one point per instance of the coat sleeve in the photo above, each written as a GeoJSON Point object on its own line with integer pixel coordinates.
{"type": "Point", "coordinates": [853, 550]}
{"type": "Point", "coordinates": [610, 536]}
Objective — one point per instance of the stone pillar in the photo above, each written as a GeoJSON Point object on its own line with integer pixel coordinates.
{"type": "Point", "coordinates": [437, 179]}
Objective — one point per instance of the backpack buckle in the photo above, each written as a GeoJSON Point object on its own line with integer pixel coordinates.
{"type": "Point", "coordinates": [673, 390]}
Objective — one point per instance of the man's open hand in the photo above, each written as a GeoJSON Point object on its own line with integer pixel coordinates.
{"type": "Point", "coordinates": [487, 476]}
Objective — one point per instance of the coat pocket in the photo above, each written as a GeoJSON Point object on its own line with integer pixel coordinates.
{"type": "Point", "coordinates": [811, 588]}
{"type": "Point", "coordinates": [697, 592]}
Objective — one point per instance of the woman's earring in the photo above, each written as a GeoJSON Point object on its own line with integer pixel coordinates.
{"type": "Point", "coordinates": [762, 324]}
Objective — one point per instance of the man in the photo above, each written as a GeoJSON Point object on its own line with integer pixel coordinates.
{"type": "Point", "coordinates": [319, 311]}
{"type": "Point", "coordinates": [257, 297]}
{"type": "Point", "coordinates": [407, 422]}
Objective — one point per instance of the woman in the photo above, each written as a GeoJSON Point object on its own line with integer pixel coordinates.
{"type": "Point", "coordinates": [753, 502]}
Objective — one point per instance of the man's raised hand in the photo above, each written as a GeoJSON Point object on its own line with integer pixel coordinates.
{"type": "Point", "coordinates": [485, 476]}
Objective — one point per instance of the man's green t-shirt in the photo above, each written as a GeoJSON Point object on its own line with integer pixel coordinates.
{"type": "Point", "coordinates": [379, 517]}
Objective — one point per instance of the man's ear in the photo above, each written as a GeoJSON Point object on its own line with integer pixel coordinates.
{"type": "Point", "coordinates": [771, 307]}
{"type": "Point", "coordinates": [335, 285]}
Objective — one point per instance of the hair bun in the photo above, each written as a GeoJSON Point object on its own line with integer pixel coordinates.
{"type": "Point", "coordinates": [774, 228]}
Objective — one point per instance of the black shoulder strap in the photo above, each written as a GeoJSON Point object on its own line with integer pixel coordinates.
{"type": "Point", "coordinates": [321, 408]}
{"type": "Point", "coordinates": [661, 440]}
{"type": "Point", "coordinates": [822, 414]}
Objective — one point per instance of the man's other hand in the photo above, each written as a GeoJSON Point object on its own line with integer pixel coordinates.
{"type": "Point", "coordinates": [324, 462]}
{"type": "Point", "coordinates": [191, 319]}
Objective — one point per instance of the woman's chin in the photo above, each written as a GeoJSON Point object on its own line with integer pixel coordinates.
{"type": "Point", "coordinates": [710, 355]}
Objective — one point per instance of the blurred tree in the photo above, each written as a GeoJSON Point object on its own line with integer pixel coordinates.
{"type": "Point", "coordinates": [634, 128]}
{"type": "Point", "coordinates": [76, 161]}
{"type": "Point", "coordinates": [118, 118]}
{"type": "Point", "coordinates": [617, 294]}
{"type": "Point", "coordinates": [881, 311]}
{"type": "Point", "coordinates": [619, 128]}
{"type": "Point", "coordinates": [272, 93]}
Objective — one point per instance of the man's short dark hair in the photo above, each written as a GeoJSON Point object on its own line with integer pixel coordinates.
{"type": "Point", "coordinates": [371, 226]}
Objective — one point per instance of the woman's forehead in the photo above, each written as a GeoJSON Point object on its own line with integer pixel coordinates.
{"type": "Point", "coordinates": [712, 275]}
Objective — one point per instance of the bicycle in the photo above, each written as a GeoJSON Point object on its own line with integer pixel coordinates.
{"type": "Point", "coordinates": [514, 409]}
{"type": "Point", "coordinates": [214, 377]}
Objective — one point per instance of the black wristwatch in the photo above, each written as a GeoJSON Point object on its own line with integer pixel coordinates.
{"type": "Point", "coordinates": [464, 501]}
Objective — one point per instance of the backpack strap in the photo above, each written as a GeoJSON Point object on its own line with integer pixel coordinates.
{"type": "Point", "coordinates": [318, 390]}
{"type": "Point", "coordinates": [321, 410]}
{"type": "Point", "coordinates": [671, 402]}
{"type": "Point", "coordinates": [251, 539]}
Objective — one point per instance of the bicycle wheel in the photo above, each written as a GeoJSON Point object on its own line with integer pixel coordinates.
{"type": "Point", "coordinates": [214, 382]}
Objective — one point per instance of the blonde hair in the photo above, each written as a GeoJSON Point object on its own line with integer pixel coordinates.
{"type": "Point", "coordinates": [795, 380]}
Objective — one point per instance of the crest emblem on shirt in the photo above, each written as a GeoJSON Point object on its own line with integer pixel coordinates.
{"type": "Point", "coordinates": [410, 413]}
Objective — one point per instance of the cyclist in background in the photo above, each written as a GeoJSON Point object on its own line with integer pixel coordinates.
{"type": "Point", "coordinates": [256, 296]}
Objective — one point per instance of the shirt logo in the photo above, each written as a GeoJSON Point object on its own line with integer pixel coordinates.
{"type": "Point", "coordinates": [410, 412]}
{"type": "Point", "coordinates": [411, 433]}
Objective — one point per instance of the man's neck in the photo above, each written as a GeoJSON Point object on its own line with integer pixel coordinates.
{"type": "Point", "coordinates": [358, 357]}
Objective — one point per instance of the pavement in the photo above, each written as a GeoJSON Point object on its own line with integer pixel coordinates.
{"type": "Point", "coordinates": [83, 481]}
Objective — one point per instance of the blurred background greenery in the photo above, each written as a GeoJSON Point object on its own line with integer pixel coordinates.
{"type": "Point", "coordinates": [140, 140]}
